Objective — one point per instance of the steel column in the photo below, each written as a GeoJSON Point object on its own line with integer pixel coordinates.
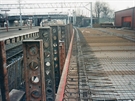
{"type": "Point", "coordinates": [64, 45]}
{"type": "Point", "coordinates": [62, 55]}
{"type": "Point", "coordinates": [55, 42]}
{"type": "Point", "coordinates": [34, 70]}
{"type": "Point", "coordinates": [3, 73]}
{"type": "Point", "coordinates": [63, 33]}
{"type": "Point", "coordinates": [67, 39]}
{"type": "Point", "coordinates": [46, 34]}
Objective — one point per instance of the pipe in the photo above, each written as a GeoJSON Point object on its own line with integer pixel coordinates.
{"type": "Point", "coordinates": [61, 89]}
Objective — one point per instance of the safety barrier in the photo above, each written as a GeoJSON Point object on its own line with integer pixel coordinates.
{"type": "Point", "coordinates": [62, 85]}
{"type": "Point", "coordinates": [41, 80]}
{"type": "Point", "coordinates": [11, 76]}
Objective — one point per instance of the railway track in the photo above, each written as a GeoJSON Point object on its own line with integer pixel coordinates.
{"type": "Point", "coordinates": [105, 67]}
{"type": "Point", "coordinates": [72, 87]}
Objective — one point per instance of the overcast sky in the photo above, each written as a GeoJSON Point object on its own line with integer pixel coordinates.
{"type": "Point", "coordinates": [116, 5]}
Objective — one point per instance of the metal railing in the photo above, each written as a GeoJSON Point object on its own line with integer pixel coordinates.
{"type": "Point", "coordinates": [56, 39]}
{"type": "Point", "coordinates": [62, 85]}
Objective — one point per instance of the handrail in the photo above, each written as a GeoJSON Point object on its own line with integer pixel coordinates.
{"type": "Point", "coordinates": [60, 93]}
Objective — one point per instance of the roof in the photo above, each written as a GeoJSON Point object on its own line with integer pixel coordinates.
{"type": "Point", "coordinates": [125, 9]}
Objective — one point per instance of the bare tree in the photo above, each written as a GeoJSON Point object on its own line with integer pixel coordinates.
{"type": "Point", "coordinates": [105, 10]}
{"type": "Point", "coordinates": [111, 14]}
{"type": "Point", "coordinates": [102, 9]}
{"type": "Point", "coordinates": [98, 9]}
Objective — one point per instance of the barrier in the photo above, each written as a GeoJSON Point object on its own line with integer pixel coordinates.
{"type": "Point", "coordinates": [60, 93]}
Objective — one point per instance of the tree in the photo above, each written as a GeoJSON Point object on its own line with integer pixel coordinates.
{"type": "Point", "coordinates": [111, 14]}
{"type": "Point", "coordinates": [105, 10]}
{"type": "Point", "coordinates": [102, 9]}
{"type": "Point", "coordinates": [98, 9]}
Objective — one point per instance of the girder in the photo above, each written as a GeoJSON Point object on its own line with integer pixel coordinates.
{"type": "Point", "coordinates": [45, 5]}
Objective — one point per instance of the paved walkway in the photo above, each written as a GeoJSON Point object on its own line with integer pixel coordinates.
{"type": "Point", "coordinates": [4, 34]}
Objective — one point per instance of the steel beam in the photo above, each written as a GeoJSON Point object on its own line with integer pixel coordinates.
{"type": "Point", "coordinates": [45, 34]}
{"type": "Point", "coordinates": [55, 42]}
{"type": "Point", "coordinates": [44, 5]}
{"type": "Point", "coordinates": [34, 70]}
{"type": "Point", "coordinates": [3, 73]}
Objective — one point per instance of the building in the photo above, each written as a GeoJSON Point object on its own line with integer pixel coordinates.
{"type": "Point", "coordinates": [125, 18]}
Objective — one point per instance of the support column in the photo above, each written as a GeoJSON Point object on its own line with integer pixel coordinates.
{"type": "Point", "coordinates": [55, 42]}
{"type": "Point", "coordinates": [34, 70]}
{"type": "Point", "coordinates": [62, 55]}
{"type": "Point", "coordinates": [45, 34]}
{"type": "Point", "coordinates": [3, 73]}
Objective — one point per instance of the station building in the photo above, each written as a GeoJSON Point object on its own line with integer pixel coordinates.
{"type": "Point", "coordinates": [125, 18]}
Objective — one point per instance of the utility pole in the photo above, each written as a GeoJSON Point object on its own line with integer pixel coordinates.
{"type": "Point", "coordinates": [68, 16]}
{"type": "Point", "coordinates": [20, 15]}
{"type": "Point", "coordinates": [91, 14]}
{"type": "Point", "coordinates": [6, 18]}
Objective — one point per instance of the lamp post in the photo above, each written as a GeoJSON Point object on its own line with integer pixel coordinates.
{"type": "Point", "coordinates": [6, 18]}
{"type": "Point", "coordinates": [68, 17]}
